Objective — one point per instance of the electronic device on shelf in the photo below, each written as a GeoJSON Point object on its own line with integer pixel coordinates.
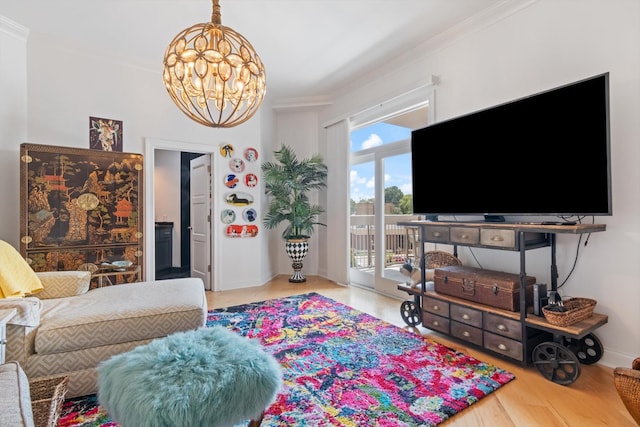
{"type": "Point", "coordinates": [543, 155]}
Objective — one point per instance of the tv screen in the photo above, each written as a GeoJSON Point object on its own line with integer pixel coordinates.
{"type": "Point", "coordinates": [546, 155]}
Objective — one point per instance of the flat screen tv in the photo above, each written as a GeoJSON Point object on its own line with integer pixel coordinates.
{"type": "Point", "coordinates": [544, 155]}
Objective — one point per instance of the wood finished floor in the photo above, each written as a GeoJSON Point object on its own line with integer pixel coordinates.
{"type": "Point", "coordinates": [529, 400]}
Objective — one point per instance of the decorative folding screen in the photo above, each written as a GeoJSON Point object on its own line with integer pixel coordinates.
{"type": "Point", "coordinates": [80, 207]}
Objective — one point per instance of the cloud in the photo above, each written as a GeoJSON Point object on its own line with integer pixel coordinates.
{"type": "Point", "coordinates": [373, 141]}
{"type": "Point", "coordinates": [370, 183]}
{"type": "Point", "coordinates": [356, 179]}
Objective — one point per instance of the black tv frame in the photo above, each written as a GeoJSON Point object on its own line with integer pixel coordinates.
{"type": "Point", "coordinates": [534, 156]}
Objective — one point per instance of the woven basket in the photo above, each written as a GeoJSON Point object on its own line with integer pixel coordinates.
{"type": "Point", "coordinates": [576, 310]}
{"type": "Point", "coordinates": [436, 259]}
{"type": "Point", "coordinates": [627, 382]}
{"type": "Point", "coordinates": [47, 397]}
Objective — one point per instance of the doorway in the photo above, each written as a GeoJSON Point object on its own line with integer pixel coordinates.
{"type": "Point", "coordinates": [183, 224]}
{"type": "Point", "coordinates": [381, 197]}
{"type": "Point", "coordinates": [380, 194]}
{"type": "Point", "coordinates": [190, 150]}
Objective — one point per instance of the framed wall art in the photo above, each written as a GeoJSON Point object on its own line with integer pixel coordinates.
{"type": "Point", "coordinates": [105, 134]}
{"type": "Point", "coordinates": [80, 207]}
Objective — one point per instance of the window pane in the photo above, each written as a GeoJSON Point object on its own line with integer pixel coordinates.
{"type": "Point", "coordinates": [376, 135]}
{"type": "Point", "coordinates": [362, 226]}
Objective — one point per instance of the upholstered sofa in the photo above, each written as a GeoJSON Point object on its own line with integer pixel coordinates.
{"type": "Point", "coordinates": [67, 329]}
{"type": "Point", "coordinates": [15, 401]}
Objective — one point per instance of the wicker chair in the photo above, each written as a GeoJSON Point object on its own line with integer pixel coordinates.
{"type": "Point", "coordinates": [436, 259]}
{"type": "Point", "coordinates": [627, 383]}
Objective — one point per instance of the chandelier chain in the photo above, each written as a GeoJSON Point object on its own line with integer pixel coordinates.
{"type": "Point", "coordinates": [216, 16]}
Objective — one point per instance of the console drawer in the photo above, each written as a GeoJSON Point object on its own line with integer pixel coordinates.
{"type": "Point", "coordinates": [465, 235]}
{"type": "Point", "coordinates": [503, 345]}
{"type": "Point", "coordinates": [466, 315]}
{"type": "Point", "coordinates": [466, 332]}
{"type": "Point", "coordinates": [498, 238]}
{"type": "Point", "coordinates": [436, 234]}
{"type": "Point", "coordinates": [503, 326]}
{"type": "Point", "coordinates": [435, 306]}
{"type": "Point", "coordinates": [436, 323]}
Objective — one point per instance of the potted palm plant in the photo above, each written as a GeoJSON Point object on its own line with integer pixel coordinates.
{"type": "Point", "coordinates": [288, 182]}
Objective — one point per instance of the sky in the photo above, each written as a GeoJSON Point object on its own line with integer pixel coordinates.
{"type": "Point", "coordinates": [397, 168]}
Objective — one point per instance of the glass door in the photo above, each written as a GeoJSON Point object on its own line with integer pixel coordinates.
{"type": "Point", "coordinates": [380, 196]}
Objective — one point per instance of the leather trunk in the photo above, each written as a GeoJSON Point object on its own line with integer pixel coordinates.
{"type": "Point", "coordinates": [494, 288]}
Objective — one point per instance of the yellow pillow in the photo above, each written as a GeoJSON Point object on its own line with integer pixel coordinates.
{"type": "Point", "coordinates": [17, 279]}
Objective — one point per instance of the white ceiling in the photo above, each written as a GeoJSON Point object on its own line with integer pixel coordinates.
{"type": "Point", "coordinates": [311, 48]}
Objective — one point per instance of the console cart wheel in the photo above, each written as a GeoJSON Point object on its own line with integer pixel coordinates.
{"type": "Point", "coordinates": [410, 313]}
{"type": "Point", "coordinates": [556, 363]}
{"type": "Point", "coordinates": [588, 349]}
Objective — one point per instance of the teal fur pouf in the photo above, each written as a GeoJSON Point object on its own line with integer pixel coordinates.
{"type": "Point", "coordinates": [208, 377]}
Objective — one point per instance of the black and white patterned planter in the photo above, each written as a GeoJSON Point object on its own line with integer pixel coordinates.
{"type": "Point", "coordinates": [296, 250]}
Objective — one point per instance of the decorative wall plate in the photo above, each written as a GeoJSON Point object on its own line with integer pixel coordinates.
{"type": "Point", "coordinates": [242, 230]}
{"type": "Point", "coordinates": [251, 154]}
{"type": "Point", "coordinates": [227, 216]}
{"type": "Point", "coordinates": [251, 180]}
{"type": "Point", "coordinates": [226, 150]}
{"type": "Point", "coordinates": [239, 199]}
{"type": "Point", "coordinates": [249, 215]}
{"type": "Point", "coordinates": [231, 180]}
{"type": "Point", "coordinates": [236, 165]}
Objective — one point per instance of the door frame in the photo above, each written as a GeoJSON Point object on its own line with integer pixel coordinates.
{"type": "Point", "coordinates": [150, 145]}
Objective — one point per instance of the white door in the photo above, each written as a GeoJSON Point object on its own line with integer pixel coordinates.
{"type": "Point", "coordinates": [200, 219]}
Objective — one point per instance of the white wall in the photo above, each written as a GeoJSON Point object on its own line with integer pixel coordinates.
{"type": "Point", "coordinates": [13, 124]}
{"type": "Point", "coordinates": [67, 84]}
{"type": "Point", "coordinates": [245, 258]}
{"type": "Point", "coordinates": [544, 45]}
{"type": "Point", "coordinates": [298, 130]}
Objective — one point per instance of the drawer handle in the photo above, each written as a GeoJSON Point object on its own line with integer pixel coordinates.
{"type": "Point", "coordinates": [497, 238]}
{"type": "Point", "coordinates": [501, 327]}
{"type": "Point", "coordinates": [466, 334]}
{"type": "Point", "coordinates": [436, 307]}
{"type": "Point", "coordinates": [436, 234]}
{"type": "Point", "coordinates": [464, 236]}
{"type": "Point", "coordinates": [502, 347]}
{"type": "Point", "coordinates": [466, 317]}
{"type": "Point", "coordinates": [435, 323]}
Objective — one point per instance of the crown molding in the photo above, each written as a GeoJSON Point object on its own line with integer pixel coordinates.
{"type": "Point", "coordinates": [13, 29]}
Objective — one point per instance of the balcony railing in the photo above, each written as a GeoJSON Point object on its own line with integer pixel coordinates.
{"type": "Point", "coordinates": [401, 243]}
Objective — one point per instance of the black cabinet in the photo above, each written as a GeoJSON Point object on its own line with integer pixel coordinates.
{"type": "Point", "coordinates": [164, 245]}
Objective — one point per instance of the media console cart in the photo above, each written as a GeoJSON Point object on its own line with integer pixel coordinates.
{"type": "Point", "coordinates": [556, 351]}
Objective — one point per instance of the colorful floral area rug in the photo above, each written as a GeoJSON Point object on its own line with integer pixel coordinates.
{"type": "Point", "coordinates": [343, 367]}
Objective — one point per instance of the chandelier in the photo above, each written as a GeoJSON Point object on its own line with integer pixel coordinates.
{"type": "Point", "coordinates": [213, 74]}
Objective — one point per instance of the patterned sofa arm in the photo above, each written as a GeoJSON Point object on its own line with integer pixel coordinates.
{"type": "Point", "coordinates": [27, 310]}
{"type": "Point", "coordinates": [22, 327]}
{"type": "Point", "coordinates": [62, 284]}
